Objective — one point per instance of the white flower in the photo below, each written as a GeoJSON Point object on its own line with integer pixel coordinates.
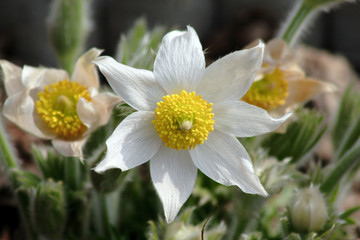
{"type": "Point", "coordinates": [281, 85]}
{"type": "Point", "coordinates": [188, 118]}
{"type": "Point", "coordinates": [50, 105]}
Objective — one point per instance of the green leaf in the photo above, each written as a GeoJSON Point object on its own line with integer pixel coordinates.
{"type": "Point", "coordinates": [54, 166]}
{"type": "Point", "coordinates": [300, 137]}
{"type": "Point", "coordinates": [342, 167]}
{"type": "Point", "coordinates": [51, 164]}
{"type": "Point", "coordinates": [24, 179]}
{"type": "Point", "coordinates": [349, 111]}
{"type": "Point", "coordinates": [134, 48]}
{"type": "Point", "coordinates": [349, 212]}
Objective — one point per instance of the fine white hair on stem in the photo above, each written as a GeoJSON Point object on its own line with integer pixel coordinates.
{"type": "Point", "coordinates": [316, 8]}
{"type": "Point", "coordinates": [303, 29]}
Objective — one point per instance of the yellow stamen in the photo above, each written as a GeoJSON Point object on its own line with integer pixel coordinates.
{"type": "Point", "coordinates": [56, 107]}
{"type": "Point", "coordinates": [183, 120]}
{"type": "Point", "coordinates": [269, 92]}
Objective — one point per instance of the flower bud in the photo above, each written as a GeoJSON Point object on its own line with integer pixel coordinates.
{"type": "Point", "coordinates": [67, 30]}
{"type": "Point", "coordinates": [308, 210]}
{"type": "Point", "coordinates": [48, 209]}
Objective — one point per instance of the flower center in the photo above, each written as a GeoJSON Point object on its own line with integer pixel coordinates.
{"type": "Point", "coordinates": [269, 92]}
{"type": "Point", "coordinates": [57, 108]}
{"type": "Point", "coordinates": [183, 120]}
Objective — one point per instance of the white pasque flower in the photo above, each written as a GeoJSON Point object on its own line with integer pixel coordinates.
{"type": "Point", "coordinates": [188, 118]}
{"type": "Point", "coordinates": [50, 105]}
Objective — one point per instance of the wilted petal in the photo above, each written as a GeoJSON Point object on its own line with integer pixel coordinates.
{"type": "Point", "coordinates": [85, 72]}
{"type": "Point", "coordinates": [19, 109]}
{"type": "Point", "coordinates": [11, 77]}
{"type": "Point", "coordinates": [173, 174]}
{"type": "Point", "coordinates": [133, 142]}
{"type": "Point", "coordinates": [224, 159]}
{"type": "Point", "coordinates": [230, 77]}
{"type": "Point", "coordinates": [241, 119]}
{"type": "Point", "coordinates": [180, 62]}
{"type": "Point", "coordinates": [136, 87]}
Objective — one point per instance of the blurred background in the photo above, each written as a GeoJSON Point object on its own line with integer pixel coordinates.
{"type": "Point", "coordinates": [223, 25]}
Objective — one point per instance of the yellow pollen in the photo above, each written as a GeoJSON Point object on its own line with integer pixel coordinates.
{"type": "Point", "coordinates": [56, 106]}
{"type": "Point", "coordinates": [183, 120]}
{"type": "Point", "coordinates": [269, 92]}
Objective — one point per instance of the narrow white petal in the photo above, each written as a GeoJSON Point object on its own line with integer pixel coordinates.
{"type": "Point", "coordinates": [180, 62]}
{"type": "Point", "coordinates": [11, 77]}
{"type": "Point", "coordinates": [241, 119]}
{"type": "Point", "coordinates": [224, 159]}
{"type": "Point", "coordinates": [85, 72]}
{"type": "Point", "coordinates": [70, 149]}
{"type": "Point", "coordinates": [230, 77]}
{"type": "Point", "coordinates": [173, 174]}
{"type": "Point", "coordinates": [136, 87]}
{"type": "Point", "coordinates": [133, 142]}
{"type": "Point", "coordinates": [19, 109]}
{"type": "Point", "coordinates": [33, 77]}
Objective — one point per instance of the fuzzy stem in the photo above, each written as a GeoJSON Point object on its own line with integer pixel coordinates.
{"type": "Point", "coordinates": [6, 151]}
{"type": "Point", "coordinates": [294, 25]}
{"type": "Point", "coordinates": [349, 159]}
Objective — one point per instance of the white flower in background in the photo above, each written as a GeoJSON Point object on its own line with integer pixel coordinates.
{"type": "Point", "coordinates": [188, 118]}
{"type": "Point", "coordinates": [50, 105]}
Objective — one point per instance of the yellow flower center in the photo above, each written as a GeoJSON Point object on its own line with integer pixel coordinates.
{"type": "Point", "coordinates": [183, 120]}
{"type": "Point", "coordinates": [269, 92]}
{"type": "Point", "coordinates": [57, 108]}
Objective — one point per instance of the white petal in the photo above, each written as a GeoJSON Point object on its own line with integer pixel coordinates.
{"type": "Point", "coordinates": [133, 142]}
{"type": "Point", "coordinates": [224, 159]}
{"type": "Point", "coordinates": [19, 109]}
{"type": "Point", "coordinates": [12, 77]}
{"type": "Point", "coordinates": [87, 112]}
{"type": "Point", "coordinates": [136, 87]}
{"type": "Point", "coordinates": [173, 174]}
{"type": "Point", "coordinates": [241, 119]}
{"type": "Point", "coordinates": [33, 77]}
{"type": "Point", "coordinates": [97, 112]}
{"type": "Point", "coordinates": [85, 72]}
{"type": "Point", "coordinates": [180, 62]}
{"type": "Point", "coordinates": [70, 149]}
{"type": "Point", "coordinates": [230, 77]}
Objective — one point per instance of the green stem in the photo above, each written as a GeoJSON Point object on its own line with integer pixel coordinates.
{"type": "Point", "coordinates": [6, 151]}
{"type": "Point", "coordinates": [349, 159]}
{"type": "Point", "coordinates": [72, 173]}
{"type": "Point", "coordinates": [294, 25]}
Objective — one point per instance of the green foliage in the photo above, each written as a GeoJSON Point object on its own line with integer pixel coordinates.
{"type": "Point", "coordinates": [59, 168]}
{"type": "Point", "coordinates": [348, 112]}
{"type": "Point", "coordinates": [299, 138]}
{"type": "Point", "coordinates": [136, 48]}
